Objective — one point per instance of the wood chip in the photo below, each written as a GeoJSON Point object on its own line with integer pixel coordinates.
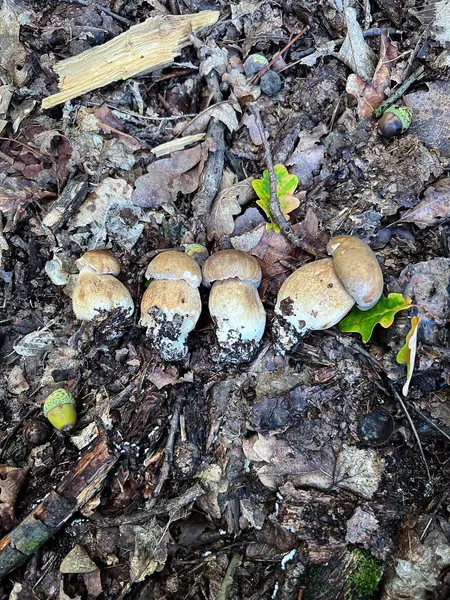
{"type": "Point", "coordinates": [145, 47]}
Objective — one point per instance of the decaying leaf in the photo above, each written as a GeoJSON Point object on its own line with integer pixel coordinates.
{"type": "Point", "coordinates": [150, 550]}
{"type": "Point", "coordinates": [308, 155]}
{"type": "Point", "coordinates": [383, 313]}
{"type": "Point", "coordinates": [11, 481]}
{"type": "Point", "coordinates": [180, 172]}
{"type": "Point", "coordinates": [231, 197]}
{"type": "Point", "coordinates": [77, 561]}
{"type": "Point", "coordinates": [222, 111]}
{"type": "Point", "coordinates": [35, 343]}
{"type": "Point", "coordinates": [109, 123]}
{"type": "Point", "coordinates": [355, 52]}
{"type": "Point", "coordinates": [436, 16]}
{"type": "Point", "coordinates": [407, 354]}
{"type": "Point", "coordinates": [370, 94]}
{"type": "Point", "coordinates": [434, 209]}
{"type": "Point", "coordinates": [430, 115]}
{"type": "Point", "coordinates": [286, 185]}
{"type": "Point", "coordinates": [15, 194]}
{"type": "Point", "coordinates": [12, 52]}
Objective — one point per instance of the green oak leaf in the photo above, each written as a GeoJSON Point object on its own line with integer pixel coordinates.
{"type": "Point", "coordinates": [383, 313]}
{"type": "Point", "coordinates": [286, 186]}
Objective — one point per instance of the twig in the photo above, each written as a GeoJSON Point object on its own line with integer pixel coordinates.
{"type": "Point", "coordinates": [414, 430]}
{"type": "Point", "coordinates": [168, 458]}
{"type": "Point", "coordinates": [115, 16]}
{"type": "Point", "coordinates": [228, 580]}
{"type": "Point", "coordinates": [277, 55]}
{"type": "Point", "coordinates": [418, 74]}
{"type": "Point", "coordinates": [274, 204]}
{"type": "Point", "coordinates": [429, 421]}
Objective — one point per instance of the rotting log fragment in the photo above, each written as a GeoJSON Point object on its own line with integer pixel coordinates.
{"type": "Point", "coordinates": [81, 483]}
{"type": "Point", "coordinates": [67, 203]}
{"type": "Point", "coordinates": [145, 47]}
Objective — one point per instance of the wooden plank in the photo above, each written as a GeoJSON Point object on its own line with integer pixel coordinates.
{"type": "Point", "coordinates": [143, 48]}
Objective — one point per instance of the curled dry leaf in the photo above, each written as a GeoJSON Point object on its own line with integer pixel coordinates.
{"type": "Point", "coordinates": [434, 209]}
{"type": "Point", "coordinates": [407, 354]}
{"type": "Point", "coordinates": [11, 481]}
{"type": "Point", "coordinates": [370, 94]}
{"type": "Point", "coordinates": [355, 52]}
{"type": "Point", "coordinates": [308, 155]}
{"type": "Point", "coordinates": [232, 195]}
{"type": "Point", "coordinates": [180, 172]}
{"type": "Point", "coordinates": [109, 123]}
{"type": "Point", "coordinates": [150, 551]}
{"type": "Point", "coordinates": [12, 52]}
{"type": "Point", "coordinates": [222, 111]}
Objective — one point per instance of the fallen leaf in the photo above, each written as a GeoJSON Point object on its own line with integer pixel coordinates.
{"type": "Point", "coordinates": [434, 209]}
{"type": "Point", "coordinates": [286, 185]}
{"type": "Point", "coordinates": [383, 313]}
{"type": "Point", "coordinates": [17, 384]}
{"type": "Point", "coordinates": [355, 52]}
{"type": "Point", "coordinates": [109, 123]}
{"type": "Point", "coordinates": [162, 378]}
{"type": "Point", "coordinates": [370, 94]}
{"type": "Point", "coordinates": [150, 550]}
{"type": "Point", "coordinates": [230, 198]}
{"type": "Point", "coordinates": [77, 561]}
{"type": "Point", "coordinates": [11, 482]}
{"type": "Point", "coordinates": [180, 172]}
{"type": "Point", "coordinates": [436, 16]}
{"type": "Point", "coordinates": [249, 121]}
{"type": "Point", "coordinates": [12, 52]}
{"type": "Point", "coordinates": [15, 195]}
{"type": "Point", "coordinates": [430, 115]}
{"type": "Point", "coordinates": [308, 155]}
{"type": "Point", "coordinates": [35, 343]}
{"type": "Point", "coordinates": [407, 354]}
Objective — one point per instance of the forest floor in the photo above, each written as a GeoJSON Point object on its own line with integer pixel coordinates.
{"type": "Point", "coordinates": [304, 476]}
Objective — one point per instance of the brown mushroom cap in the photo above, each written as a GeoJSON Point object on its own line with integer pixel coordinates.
{"type": "Point", "coordinates": [227, 264]}
{"type": "Point", "coordinates": [174, 265]}
{"type": "Point", "coordinates": [170, 309]}
{"type": "Point", "coordinates": [358, 269]}
{"type": "Point", "coordinates": [100, 262]}
{"type": "Point", "coordinates": [94, 294]}
{"type": "Point", "coordinates": [239, 316]}
{"type": "Point", "coordinates": [313, 297]}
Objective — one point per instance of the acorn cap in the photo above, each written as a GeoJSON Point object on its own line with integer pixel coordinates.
{"type": "Point", "coordinates": [170, 309]}
{"type": "Point", "coordinates": [227, 264]}
{"type": "Point", "coordinates": [94, 294]}
{"type": "Point", "coordinates": [313, 297]}
{"type": "Point", "coordinates": [60, 410]}
{"type": "Point", "coordinates": [174, 265]}
{"type": "Point", "coordinates": [240, 319]}
{"type": "Point", "coordinates": [100, 262]}
{"type": "Point", "coordinates": [358, 269]}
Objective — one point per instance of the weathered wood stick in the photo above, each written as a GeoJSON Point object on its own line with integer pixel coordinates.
{"type": "Point", "coordinates": [145, 47]}
{"type": "Point", "coordinates": [67, 203]}
{"type": "Point", "coordinates": [81, 483]}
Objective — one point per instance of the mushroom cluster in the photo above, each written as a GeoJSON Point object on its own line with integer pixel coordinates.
{"type": "Point", "coordinates": [171, 304]}
{"type": "Point", "coordinates": [321, 293]}
{"type": "Point", "coordinates": [97, 291]}
{"type": "Point", "coordinates": [234, 304]}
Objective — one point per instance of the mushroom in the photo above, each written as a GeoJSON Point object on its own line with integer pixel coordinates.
{"type": "Point", "coordinates": [234, 304]}
{"type": "Point", "coordinates": [97, 290]}
{"type": "Point", "coordinates": [171, 304]}
{"type": "Point", "coordinates": [358, 269]}
{"type": "Point", "coordinates": [321, 293]}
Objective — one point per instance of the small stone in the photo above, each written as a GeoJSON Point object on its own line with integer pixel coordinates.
{"type": "Point", "coordinates": [271, 83]}
{"type": "Point", "coordinates": [254, 63]}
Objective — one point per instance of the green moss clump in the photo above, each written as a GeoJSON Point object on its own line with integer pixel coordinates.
{"type": "Point", "coordinates": [362, 583]}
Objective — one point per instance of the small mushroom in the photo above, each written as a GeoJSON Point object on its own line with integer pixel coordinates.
{"type": "Point", "coordinates": [312, 298]}
{"type": "Point", "coordinates": [97, 290]}
{"type": "Point", "coordinates": [171, 304]}
{"type": "Point", "coordinates": [234, 304]}
{"type": "Point", "coordinates": [358, 269]}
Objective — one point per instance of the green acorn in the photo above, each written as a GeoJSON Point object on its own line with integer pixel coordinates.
{"type": "Point", "coordinates": [395, 121]}
{"type": "Point", "coordinates": [60, 409]}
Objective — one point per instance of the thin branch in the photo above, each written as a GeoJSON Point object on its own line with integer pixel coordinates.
{"type": "Point", "coordinates": [274, 203]}
{"type": "Point", "coordinates": [414, 430]}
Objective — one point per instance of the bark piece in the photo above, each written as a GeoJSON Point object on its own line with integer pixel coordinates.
{"type": "Point", "coordinates": [81, 483]}
{"type": "Point", "coordinates": [67, 204]}
{"type": "Point", "coordinates": [145, 47]}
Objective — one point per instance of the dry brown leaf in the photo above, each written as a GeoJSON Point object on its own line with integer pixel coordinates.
{"type": "Point", "coordinates": [180, 172]}
{"type": "Point", "coordinates": [109, 123]}
{"type": "Point", "coordinates": [15, 194]}
{"type": "Point", "coordinates": [308, 155]}
{"type": "Point", "coordinates": [228, 203]}
{"type": "Point", "coordinates": [434, 209]}
{"type": "Point", "coordinates": [371, 94]}
{"type": "Point", "coordinates": [12, 52]}
{"type": "Point", "coordinates": [11, 481]}
{"type": "Point", "coordinates": [355, 52]}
